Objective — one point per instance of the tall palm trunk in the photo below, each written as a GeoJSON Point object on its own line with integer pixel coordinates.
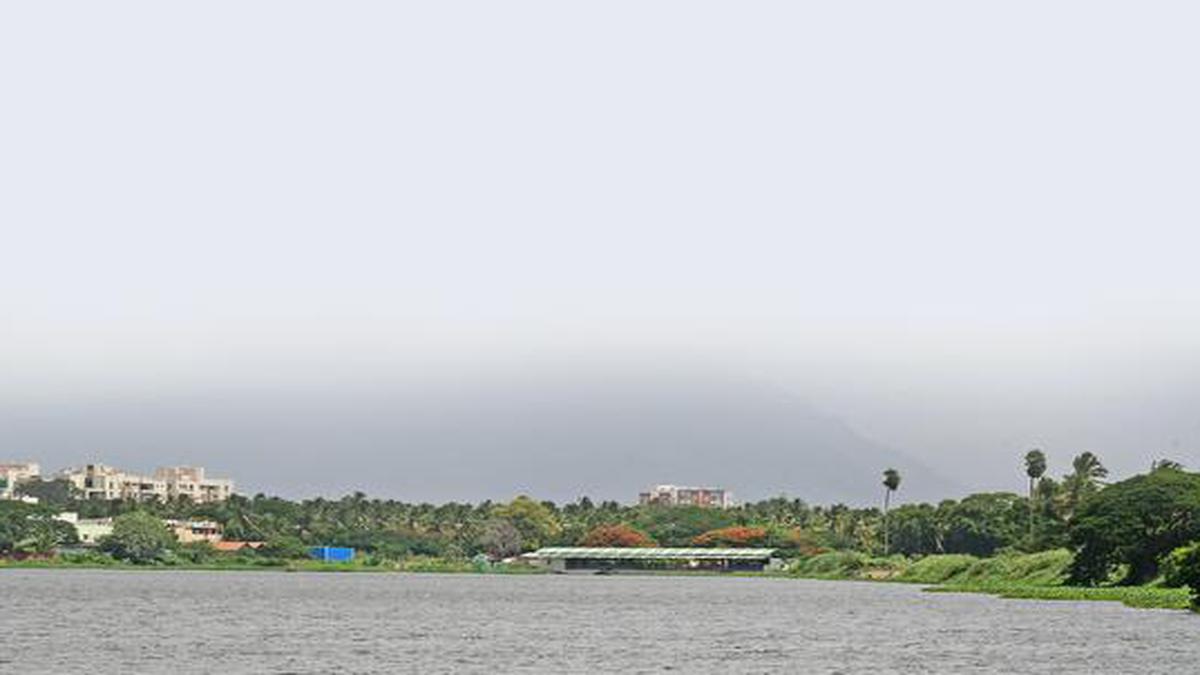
{"type": "Point", "coordinates": [887, 496]}
{"type": "Point", "coordinates": [1032, 509]}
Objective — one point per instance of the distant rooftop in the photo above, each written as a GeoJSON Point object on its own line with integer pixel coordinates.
{"type": "Point", "coordinates": [579, 552]}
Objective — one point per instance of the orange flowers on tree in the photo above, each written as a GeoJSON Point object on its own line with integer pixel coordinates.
{"type": "Point", "coordinates": [617, 536]}
{"type": "Point", "coordinates": [738, 535]}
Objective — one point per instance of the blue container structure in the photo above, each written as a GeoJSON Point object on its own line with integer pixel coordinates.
{"type": "Point", "coordinates": [332, 553]}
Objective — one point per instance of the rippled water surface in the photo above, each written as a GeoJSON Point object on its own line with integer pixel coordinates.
{"type": "Point", "coordinates": [55, 621]}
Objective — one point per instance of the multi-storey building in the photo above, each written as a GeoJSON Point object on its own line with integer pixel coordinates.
{"type": "Point", "coordinates": [97, 481]}
{"type": "Point", "coordinates": [675, 495]}
{"type": "Point", "coordinates": [12, 473]}
{"type": "Point", "coordinates": [190, 481]}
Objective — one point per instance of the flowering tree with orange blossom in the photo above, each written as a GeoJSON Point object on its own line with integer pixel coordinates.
{"type": "Point", "coordinates": [617, 536]}
{"type": "Point", "coordinates": [738, 535]}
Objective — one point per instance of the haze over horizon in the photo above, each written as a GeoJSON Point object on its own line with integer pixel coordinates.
{"type": "Point", "coordinates": [421, 240]}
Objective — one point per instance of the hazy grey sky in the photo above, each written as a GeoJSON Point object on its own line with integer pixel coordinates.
{"type": "Point", "coordinates": [962, 228]}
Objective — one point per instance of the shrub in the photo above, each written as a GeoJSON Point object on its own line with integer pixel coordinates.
{"type": "Point", "coordinates": [197, 553]}
{"type": "Point", "coordinates": [936, 569]}
{"type": "Point", "coordinates": [1182, 568]}
{"type": "Point", "coordinates": [138, 537]}
{"type": "Point", "coordinates": [833, 562]}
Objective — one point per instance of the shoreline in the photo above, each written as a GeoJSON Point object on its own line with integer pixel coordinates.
{"type": "Point", "coordinates": [1137, 597]}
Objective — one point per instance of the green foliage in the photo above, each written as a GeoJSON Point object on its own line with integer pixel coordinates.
{"type": "Point", "coordinates": [197, 553]}
{"type": "Point", "coordinates": [1035, 464]}
{"type": "Point", "coordinates": [285, 547]}
{"type": "Point", "coordinates": [1133, 596]}
{"type": "Point", "coordinates": [501, 539]}
{"type": "Point", "coordinates": [1084, 480]}
{"type": "Point", "coordinates": [536, 521]}
{"type": "Point", "coordinates": [834, 564]}
{"type": "Point", "coordinates": [891, 480]}
{"type": "Point", "coordinates": [938, 569]}
{"type": "Point", "coordinates": [89, 558]}
{"type": "Point", "coordinates": [679, 525]}
{"type": "Point", "coordinates": [1047, 568]}
{"type": "Point", "coordinates": [849, 565]}
{"type": "Point", "coordinates": [139, 537]}
{"type": "Point", "coordinates": [1182, 569]}
{"type": "Point", "coordinates": [1134, 523]}
{"type": "Point", "coordinates": [30, 528]}
{"type": "Point", "coordinates": [982, 523]}
{"type": "Point", "coordinates": [55, 493]}
{"type": "Point", "coordinates": [916, 529]}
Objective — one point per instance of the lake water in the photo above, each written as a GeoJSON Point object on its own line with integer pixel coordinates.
{"type": "Point", "coordinates": [85, 621]}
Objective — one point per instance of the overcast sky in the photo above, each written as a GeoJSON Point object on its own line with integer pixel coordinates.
{"type": "Point", "coordinates": [964, 229]}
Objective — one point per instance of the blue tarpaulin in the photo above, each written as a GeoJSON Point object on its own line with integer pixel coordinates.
{"type": "Point", "coordinates": [332, 553]}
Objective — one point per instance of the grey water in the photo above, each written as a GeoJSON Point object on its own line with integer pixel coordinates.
{"type": "Point", "coordinates": [95, 621]}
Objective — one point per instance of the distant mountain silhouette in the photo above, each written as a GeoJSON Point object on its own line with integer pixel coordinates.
{"type": "Point", "coordinates": [553, 438]}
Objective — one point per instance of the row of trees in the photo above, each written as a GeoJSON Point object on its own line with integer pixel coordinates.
{"type": "Point", "coordinates": [1125, 529]}
{"type": "Point", "coordinates": [978, 524]}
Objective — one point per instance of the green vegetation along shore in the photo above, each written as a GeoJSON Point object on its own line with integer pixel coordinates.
{"type": "Point", "coordinates": [418, 565]}
{"type": "Point", "coordinates": [1033, 576]}
{"type": "Point", "coordinates": [1135, 540]}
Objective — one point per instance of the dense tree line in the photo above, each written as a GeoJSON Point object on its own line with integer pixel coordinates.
{"type": "Point", "coordinates": [1123, 531]}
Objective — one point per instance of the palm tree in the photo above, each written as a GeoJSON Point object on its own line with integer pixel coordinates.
{"type": "Point", "coordinates": [1035, 467]}
{"type": "Point", "coordinates": [1088, 467]}
{"type": "Point", "coordinates": [1160, 464]}
{"type": "Point", "coordinates": [891, 481]}
{"type": "Point", "coordinates": [1086, 476]}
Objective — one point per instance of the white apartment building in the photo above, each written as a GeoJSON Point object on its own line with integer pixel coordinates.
{"type": "Point", "coordinates": [97, 481]}
{"type": "Point", "coordinates": [676, 495]}
{"type": "Point", "coordinates": [91, 530]}
{"type": "Point", "coordinates": [190, 481]}
{"type": "Point", "coordinates": [12, 473]}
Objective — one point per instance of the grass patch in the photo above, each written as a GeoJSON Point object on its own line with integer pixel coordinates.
{"type": "Point", "coordinates": [1031, 576]}
{"type": "Point", "coordinates": [1048, 568]}
{"type": "Point", "coordinates": [849, 565]}
{"type": "Point", "coordinates": [938, 569]}
{"type": "Point", "coordinates": [1145, 597]}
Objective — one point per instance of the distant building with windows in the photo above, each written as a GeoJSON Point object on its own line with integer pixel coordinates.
{"type": "Point", "coordinates": [14, 473]}
{"type": "Point", "coordinates": [190, 481]}
{"type": "Point", "coordinates": [675, 495]}
{"type": "Point", "coordinates": [89, 530]}
{"type": "Point", "coordinates": [192, 531]}
{"type": "Point", "coordinates": [97, 481]}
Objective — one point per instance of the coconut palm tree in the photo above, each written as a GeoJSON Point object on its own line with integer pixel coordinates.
{"type": "Point", "coordinates": [1088, 467]}
{"type": "Point", "coordinates": [1035, 468]}
{"type": "Point", "coordinates": [1086, 477]}
{"type": "Point", "coordinates": [891, 482]}
{"type": "Point", "coordinates": [1170, 464]}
